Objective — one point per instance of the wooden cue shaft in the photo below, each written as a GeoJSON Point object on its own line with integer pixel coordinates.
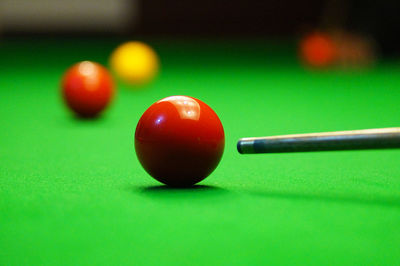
{"type": "Point", "coordinates": [380, 138]}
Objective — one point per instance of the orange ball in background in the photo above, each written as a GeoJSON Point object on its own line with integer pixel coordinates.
{"type": "Point", "coordinates": [318, 50]}
{"type": "Point", "coordinates": [87, 88]}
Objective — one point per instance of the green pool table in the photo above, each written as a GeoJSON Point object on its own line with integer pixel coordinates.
{"type": "Point", "coordinates": [72, 191]}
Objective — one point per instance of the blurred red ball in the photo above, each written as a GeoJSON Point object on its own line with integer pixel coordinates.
{"type": "Point", "coordinates": [318, 50]}
{"type": "Point", "coordinates": [87, 88]}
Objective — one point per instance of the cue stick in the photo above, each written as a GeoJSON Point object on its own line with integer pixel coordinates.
{"type": "Point", "coordinates": [380, 138]}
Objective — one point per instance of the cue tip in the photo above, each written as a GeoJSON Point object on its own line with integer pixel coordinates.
{"type": "Point", "coordinates": [239, 148]}
{"type": "Point", "coordinates": [245, 146]}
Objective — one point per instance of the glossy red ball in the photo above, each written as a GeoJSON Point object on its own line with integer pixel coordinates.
{"type": "Point", "coordinates": [179, 140]}
{"type": "Point", "coordinates": [87, 88]}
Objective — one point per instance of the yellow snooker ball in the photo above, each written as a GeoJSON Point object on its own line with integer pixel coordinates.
{"type": "Point", "coordinates": [135, 63]}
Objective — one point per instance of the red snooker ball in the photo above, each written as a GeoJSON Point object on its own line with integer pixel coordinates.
{"type": "Point", "coordinates": [179, 140]}
{"type": "Point", "coordinates": [318, 50]}
{"type": "Point", "coordinates": [87, 88]}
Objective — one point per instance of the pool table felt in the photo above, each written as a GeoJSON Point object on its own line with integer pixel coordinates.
{"type": "Point", "coordinates": [73, 192]}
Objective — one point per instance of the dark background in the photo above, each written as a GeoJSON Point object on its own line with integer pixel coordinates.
{"type": "Point", "coordinates": [379, 20]}
{"type": "Point", "coordinates": [220, 19]}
